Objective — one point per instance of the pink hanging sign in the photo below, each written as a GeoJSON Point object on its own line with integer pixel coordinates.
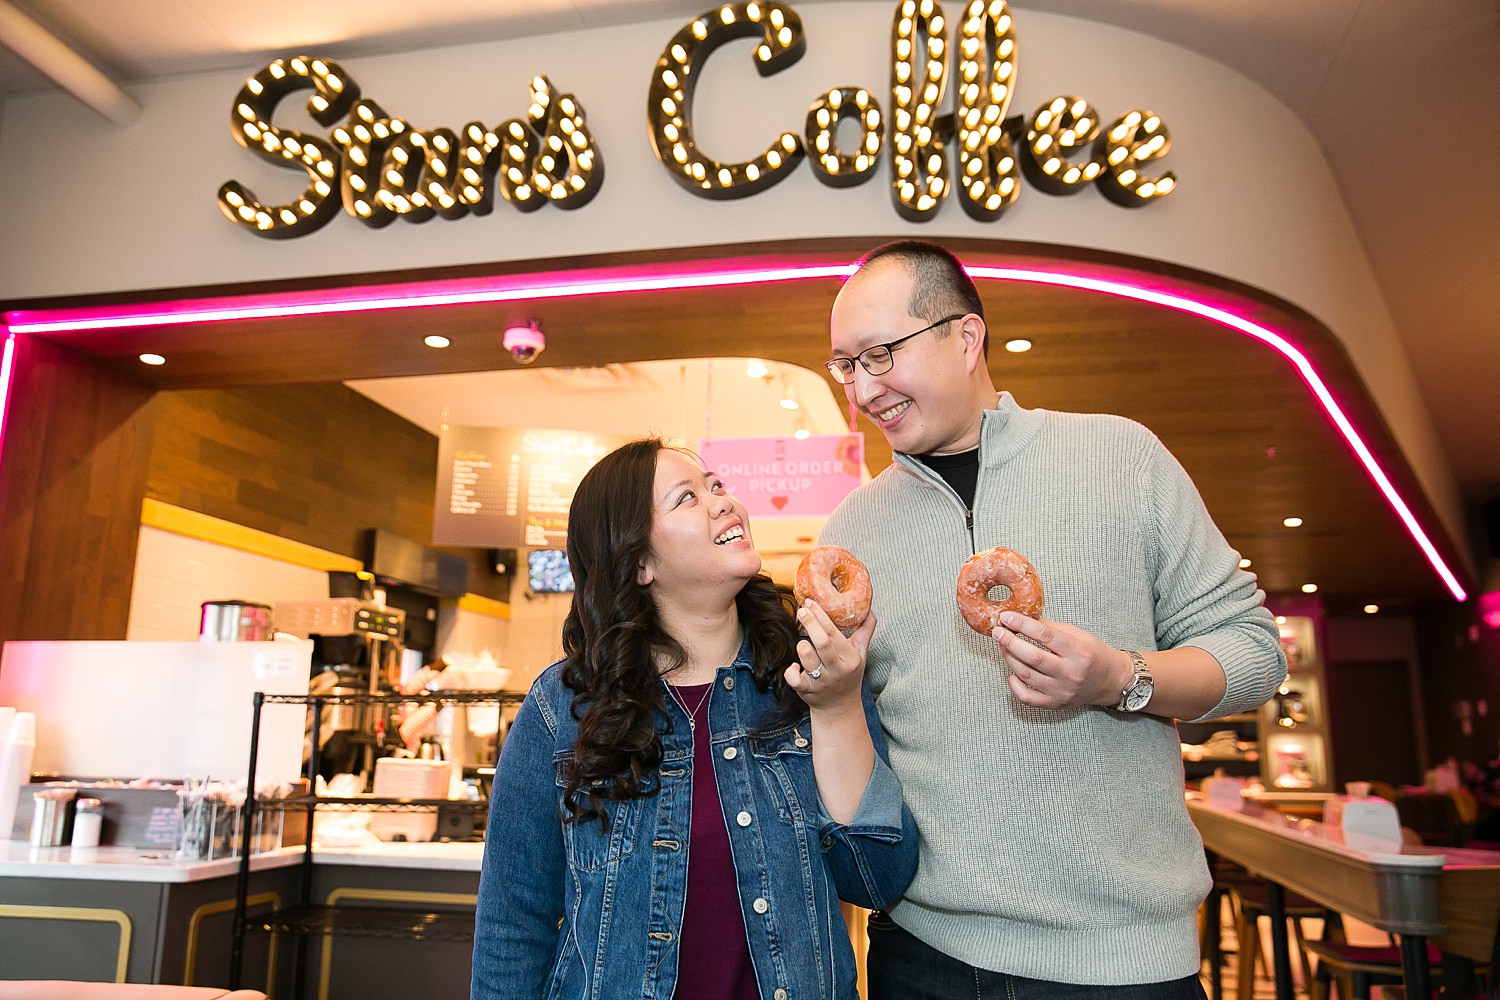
{"type": "Point", "coordinates": [785, 476]}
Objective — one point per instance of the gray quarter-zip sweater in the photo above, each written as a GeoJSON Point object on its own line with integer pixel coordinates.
{"type": "Point", "coordinates": [1055, 844]}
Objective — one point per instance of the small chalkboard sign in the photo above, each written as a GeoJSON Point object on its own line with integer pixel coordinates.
{"type": "Point", "coordinates": [161, 828]}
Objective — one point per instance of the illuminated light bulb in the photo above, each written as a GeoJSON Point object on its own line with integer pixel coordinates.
{"type": "Point", "coordinates": [1244, 564]}
{"type": "Point", "coordinates": [1165, 185]}
{"type": "Point", "coordinates": [726, 14]}
{"type": "Point", "coordinates": [1309, 588]}
{"type": "Point", "coordinates": [247, 213]}
{"type": "Point", "coordinates": [700, 32]}
{"type": "Point", "coordinates": [254, 86]}
{"type": "Point", "coordinates": [299, 66]}
{"type": "Point", "coordinates": [1019, 345]}
{"type": "Point", "coordinates": [756, 369]}
{"type": "Point", "coordinates": [152, 359]}
{"type": "Point", "coordinates": [725, 177]}
{"type": "Point", "coordinates": [276, 69]}
{"type": "Point", "coordinates": [752, 172]}
{"type": "Point", "coordinates": [246, 112]}
{"type": "Point", "coordinates": [1146, 190]}
{"type": "Point", "coordinates": [1072, 175]}
{"type": "Point", "coordinates": [773, 158]}
{"type": "Point", "coordinates": [1127, 177]}
{"type": "Point", "coordinates": [393, 177]}
{"type": "Point", "coordinates": [1371, 609]}
{"type": "Point", "coordinates": [1292, 522]}
{"type": "Point", "coordinates": [322, 188]}
{"type": "Point", "coordinates": [1007, 186]}
{"type": "Point", "coordinates": [784, 36]}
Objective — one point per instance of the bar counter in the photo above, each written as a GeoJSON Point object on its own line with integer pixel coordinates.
{"type": "Point", "coordinates": [1449, 895]}
{"type": "Point", "coordinates": [128, 914]}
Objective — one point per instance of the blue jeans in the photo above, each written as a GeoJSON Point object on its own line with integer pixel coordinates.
{"type": "Point", "coordinates": [901, 967]}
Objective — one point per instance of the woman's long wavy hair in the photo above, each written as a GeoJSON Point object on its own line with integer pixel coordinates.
{"type": "Point", "coordinates": [613, 638]}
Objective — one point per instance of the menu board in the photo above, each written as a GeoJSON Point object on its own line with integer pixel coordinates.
{"type": "Point", "coordinates": [501, 487]}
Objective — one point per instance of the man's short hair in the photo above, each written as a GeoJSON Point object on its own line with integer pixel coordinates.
{"type": "Point", "coordinates": [940, 285]}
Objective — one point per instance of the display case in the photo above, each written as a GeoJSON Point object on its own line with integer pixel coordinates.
{"type": "Point", "coordinates": [302, 917]}
{"type": "Point", "coordinates": [1283, 744]}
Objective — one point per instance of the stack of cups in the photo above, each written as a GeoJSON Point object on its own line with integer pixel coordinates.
{"type": "Point", "coordinates": [17, 748]}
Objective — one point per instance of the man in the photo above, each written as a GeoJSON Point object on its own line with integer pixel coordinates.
{"type": "Point", "coordinates": [1041, 762]}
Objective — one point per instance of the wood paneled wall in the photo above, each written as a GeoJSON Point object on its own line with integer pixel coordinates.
{"type": "Point", "coordinates": [318, 464]}
{"type": "Point", "coordinates": [77, 449]}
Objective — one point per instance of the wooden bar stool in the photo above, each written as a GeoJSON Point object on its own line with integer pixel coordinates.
{"type": "Point", "coordinates": [1250, 899]}
{"type": "Point", "coordinates": [1357, 968]}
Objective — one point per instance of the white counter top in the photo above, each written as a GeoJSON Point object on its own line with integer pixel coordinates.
{"type": "Point", "coordinates": [19, 859]}
{"type": "Point", "coordinates": [457, 856]}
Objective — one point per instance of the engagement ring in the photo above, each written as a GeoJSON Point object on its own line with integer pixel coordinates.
{"type": "Point", "coordinates": [817, 672]}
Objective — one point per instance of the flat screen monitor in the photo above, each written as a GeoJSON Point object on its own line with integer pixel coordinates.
{"type": "Point", "coordinates": [549, 572]}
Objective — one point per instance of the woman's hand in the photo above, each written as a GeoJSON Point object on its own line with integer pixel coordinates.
{"type": "Point", "coordinates": [843, 753]}
{"type": "Point", "coordinates": [837, 660]}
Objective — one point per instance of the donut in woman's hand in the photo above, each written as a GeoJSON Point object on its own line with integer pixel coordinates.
{"type": "Point", "coordinates": [838, 582]}
{"type": "Point", "coordinates": [992, 568]}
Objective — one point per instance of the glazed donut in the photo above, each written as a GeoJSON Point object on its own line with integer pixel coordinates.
{"type": "Point", "coordinates": [838, 582]}
{"type": "Point", "coordinates": [997, 567]}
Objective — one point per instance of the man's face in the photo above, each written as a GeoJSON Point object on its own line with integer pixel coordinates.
{"type": "Point", "coordinates": [923, 404]}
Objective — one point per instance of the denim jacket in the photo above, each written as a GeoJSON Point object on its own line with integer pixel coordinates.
{"type": "Point", "coordinates": [567, 910]}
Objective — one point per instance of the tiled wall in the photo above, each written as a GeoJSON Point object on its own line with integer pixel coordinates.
{"type": "Point", "coordinates": [175, 574]}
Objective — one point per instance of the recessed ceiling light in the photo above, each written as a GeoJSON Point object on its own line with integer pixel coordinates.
{"type": "Point", "coordinates": [153, 359]}
{"type": "Point", "coordinates": [1309, 588]}
{"type": "Point", "coordinates": [1370, 609]}
{"type": "Point", "coordinates": [436, 340]}
{"type": "Point", "coordinates": [757, 369]}
{"type": "Point", "coordinates": [790, 404]}
{"type": "Point", "coordinates": [1018, 346]}
{"type": "Point", "coordinates": [1292, 522]}
{"type": "Point", "coordinates": [1244, 564]}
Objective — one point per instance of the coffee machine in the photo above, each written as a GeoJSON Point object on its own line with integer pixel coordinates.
{"type": "Point", "coordinates": [357, 650]}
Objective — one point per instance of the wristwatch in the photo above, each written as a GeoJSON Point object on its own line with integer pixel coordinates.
{"type": "Point", "coordinates": [1138, 692]}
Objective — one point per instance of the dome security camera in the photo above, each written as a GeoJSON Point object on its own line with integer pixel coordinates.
{"type": "Point", "coordinates": [524, 343]}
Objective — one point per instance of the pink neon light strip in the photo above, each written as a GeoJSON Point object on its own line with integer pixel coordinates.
{"type": "Point", "coordinates": [1283, 347]}
{"type": "Point", "coordinates": [7, 366]}
{"type": "Point", "coordinates": [490, 290]}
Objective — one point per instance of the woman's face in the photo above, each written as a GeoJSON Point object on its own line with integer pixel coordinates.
{"type": "Point", "coordinates": [700, 535]}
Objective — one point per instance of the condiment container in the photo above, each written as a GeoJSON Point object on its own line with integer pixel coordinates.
{"type": "Point", "coordinates": [88, 823]}
{"type": "Point", "coordinates": [49, 818]}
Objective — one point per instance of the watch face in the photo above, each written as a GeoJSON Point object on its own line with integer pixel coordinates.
{"type": "Point", "coordinates": [1139, 693]}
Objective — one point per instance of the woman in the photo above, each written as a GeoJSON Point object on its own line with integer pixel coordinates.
{"type": "Point", "coordinates": [683, 799]}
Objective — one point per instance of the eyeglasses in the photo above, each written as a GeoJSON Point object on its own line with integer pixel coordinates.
{"type": "Point", "coordinates": [878, 360]}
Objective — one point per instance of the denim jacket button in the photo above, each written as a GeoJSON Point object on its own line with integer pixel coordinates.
{"type": "Point", "coordinates": [760, 905]}
{"type": "Point", "coordinates": [827, 841]}
{"type": "Point", "coordinates": [743, 819]}
{"type": "Point", "coordinates": [730, 753]}
{"type": "Point", "coordinates": [780, 994]}
{"type": "Point", "coordinates": [729, 684]}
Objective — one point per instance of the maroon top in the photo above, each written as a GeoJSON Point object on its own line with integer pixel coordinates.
{"type": "Point", "coordinates": [713, 958]}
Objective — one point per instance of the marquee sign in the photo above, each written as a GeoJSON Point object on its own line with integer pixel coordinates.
{"type": "Point", "coordinates": [378, 168]}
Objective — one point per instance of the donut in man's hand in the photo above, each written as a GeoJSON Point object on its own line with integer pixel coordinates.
{"type": "Point", "coordinates": [997, 567]}
{"type": "Point", "coordinates": [838, 582]}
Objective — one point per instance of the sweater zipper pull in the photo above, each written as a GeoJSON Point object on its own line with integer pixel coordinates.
{"type": "Point", "coordinates": [969, 526]}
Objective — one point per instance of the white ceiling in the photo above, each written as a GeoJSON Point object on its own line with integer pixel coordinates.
{"type": "Point", "coordinates": [1401, 96]}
